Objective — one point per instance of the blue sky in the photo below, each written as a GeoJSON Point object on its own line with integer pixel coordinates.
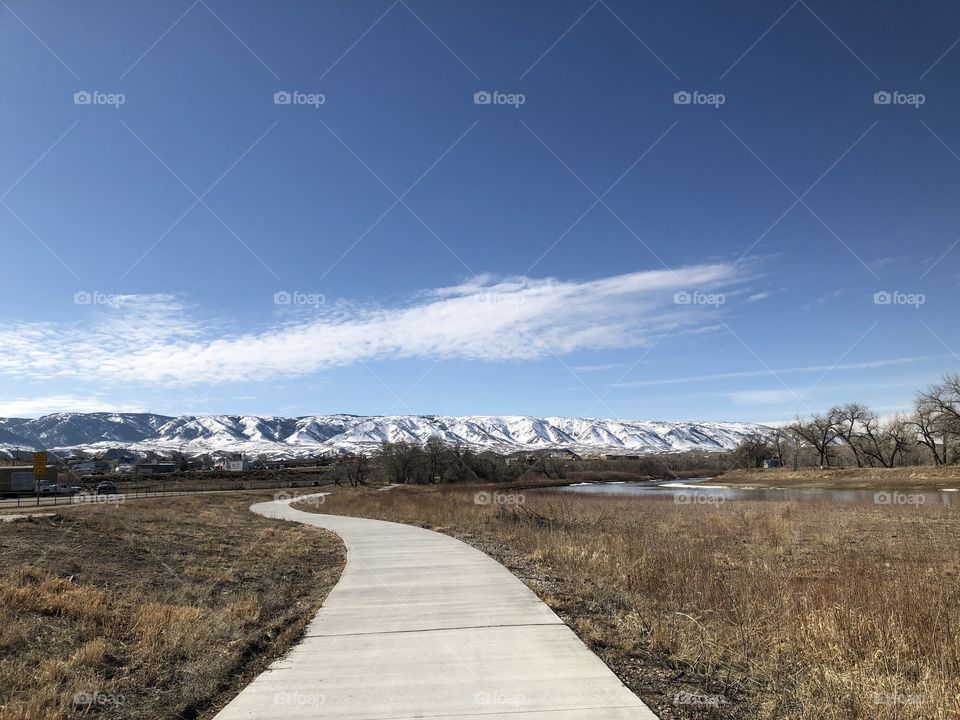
{"type": "Point", "coordinates": [178, 239]}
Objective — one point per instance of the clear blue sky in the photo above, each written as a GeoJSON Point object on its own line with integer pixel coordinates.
{"type": "Point", "coordinates": [443, 256]}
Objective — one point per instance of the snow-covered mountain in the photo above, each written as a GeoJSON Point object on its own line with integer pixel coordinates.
{"type": "Point", "coordinates": [281, 437]}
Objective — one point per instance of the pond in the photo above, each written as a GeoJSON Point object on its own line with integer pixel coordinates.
{"type": "Point", "coordinates": [694, 492]}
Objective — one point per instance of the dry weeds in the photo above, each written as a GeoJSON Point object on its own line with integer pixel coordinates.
{"type": "Point", "coordinates": [768, 610]}
{"type": "Point", "coordinates": [162, 608]}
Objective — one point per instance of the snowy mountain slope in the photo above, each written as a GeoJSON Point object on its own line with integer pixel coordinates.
{"type": "Point", "coordinates": [65, 429]}
{"type": "Point", "coordinates": [281, 437]}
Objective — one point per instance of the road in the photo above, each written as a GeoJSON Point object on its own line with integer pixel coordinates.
{"type": "Point", "coordinates": [64, 501]}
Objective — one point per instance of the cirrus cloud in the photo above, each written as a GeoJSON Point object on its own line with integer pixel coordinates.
{"type": "Point", "coordinates": [154, 339]}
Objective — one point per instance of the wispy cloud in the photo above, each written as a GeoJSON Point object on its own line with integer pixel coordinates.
{"type": "Point", "coordinates": [154, 339]}
{"type": "Point", "coordinates": [772, 372]}
{"type": "Point", "coordinates": [757, 297]}
{"type": "Point", "coordinates": [596, 368]}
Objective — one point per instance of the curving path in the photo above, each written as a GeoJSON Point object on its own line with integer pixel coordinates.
{"type": "Point", "coordinates": [421, 625]}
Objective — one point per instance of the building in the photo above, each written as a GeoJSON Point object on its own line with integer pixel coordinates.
{"type": "Point", "coordinates": [91, 467]}
{"type": "Point", "coordinates": [15, 479]}
{"type": "Point", "coordinates": [236, 463]}
{"type": "Point", "coordinates": [156, 468]}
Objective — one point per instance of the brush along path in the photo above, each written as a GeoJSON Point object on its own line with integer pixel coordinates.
{"type": "Point", "coordinates": [421, 625]}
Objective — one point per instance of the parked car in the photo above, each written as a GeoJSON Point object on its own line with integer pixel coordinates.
{"type": "Point", "coordinates": [294, 484]}
{"type": "Point", "coordinates": [107, 488]}
{"type": "Point", "coordinates": [64, 489]}
{"type": "Point", "coordinates": [45, 488]}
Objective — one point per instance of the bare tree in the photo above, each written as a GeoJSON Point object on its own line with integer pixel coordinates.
{"type": "Point", "coordinates": [400, 460]}
{"type": "Point", "coordinates": [753, 449]}
{"type": "Point", "coordinates": [551, 467]}
{"type": "Point", "coordinates": [820, 431]}
{"type": "Point", "coordinates": [929, 426]}
{"type": "Point", "coordinates": [941, 404]}
{"type": "Point", "coordinates": [780, 442]}
{"type": "Point", "coordinates": [435, 450]}
{"type": "Point", "coordinates": [461, 459]}
{"type": "Point", "coordinates": [883, 440]}
{"type": "Point", "coordinates": [850, 420]}
{"type": "Point", "coordinates": [352, 468]}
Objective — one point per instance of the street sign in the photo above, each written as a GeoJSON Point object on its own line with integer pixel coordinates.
{"type": "Point", "coordinates": [40, 464]}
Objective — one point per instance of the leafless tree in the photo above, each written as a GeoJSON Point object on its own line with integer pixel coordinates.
{"type": "Point", "coordinates": [551, 467]}
{"type": "Point", "coordinates": [850, 420]}
{"type": "Point", "coordinates": [400, 460]}
{"type": "Point", "coordinates": [352, 468]}
{"type": "Point", "coordinates": [820, 431]}
{"type": "Point", "coordinates": [882, 441]}
{"type": "Point", "coordinates": [781, 442]}
{"type": "Point", "coordinates": [435, 451]}
{"type": "Point", "coordinates": [940, 404]}
{"type": "Point", "coordinates": [931, 432]}
{"type": "Point", "coordinates": [753, 450]}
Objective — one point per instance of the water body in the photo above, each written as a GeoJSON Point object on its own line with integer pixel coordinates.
{"type": "Point", "coordinates": [694, 492]}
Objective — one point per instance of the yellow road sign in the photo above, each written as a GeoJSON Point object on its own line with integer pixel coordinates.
{"type": "Point", "coordinates": [40, 464]}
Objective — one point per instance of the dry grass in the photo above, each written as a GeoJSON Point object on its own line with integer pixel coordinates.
{"type": "Point", "coordinates": [774, 610]}
{"type": "Point", "coordinates": [161, 608]}
{"type": "Point", "coordinates": [916, 477]}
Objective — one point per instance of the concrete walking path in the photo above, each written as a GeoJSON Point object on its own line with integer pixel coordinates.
{"type": "Point", "coordinates": [421, 625]}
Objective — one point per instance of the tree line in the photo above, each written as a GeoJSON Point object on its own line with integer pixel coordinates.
{"type": "Point", "coordinates": [854, 434]}
{"type": "Point", "coordinates": [436, 461]}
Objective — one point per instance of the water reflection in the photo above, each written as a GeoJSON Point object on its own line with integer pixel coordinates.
{"type": "Point", "coordinates": [695, 493]}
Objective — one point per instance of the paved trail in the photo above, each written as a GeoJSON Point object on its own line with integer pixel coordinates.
{"type": "Point", "coordinates": [421, 625]}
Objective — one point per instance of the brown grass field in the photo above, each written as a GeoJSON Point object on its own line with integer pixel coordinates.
{"type": "Point", "coordinates": [915, 477]}
{"type": "Point", "coordinates": [157, 608]}
{"type": "Point", "coordinates": [759, 610]}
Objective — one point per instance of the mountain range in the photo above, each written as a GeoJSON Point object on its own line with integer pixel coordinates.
{"type": "Point", "coordinates": [287, 438]}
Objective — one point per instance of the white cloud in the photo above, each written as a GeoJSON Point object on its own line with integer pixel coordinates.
{"type": "Point", "coordinates": [596, 368]}
{"type": "Point", "coordinates": [757, 297]}
{"type": "Point", "coordinates": [36, 406]}
{"type": "Point", "coordinates": [152, 339]}
{"type": "Point", "coordinates": [869, 365]}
